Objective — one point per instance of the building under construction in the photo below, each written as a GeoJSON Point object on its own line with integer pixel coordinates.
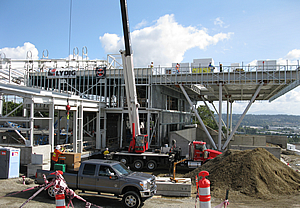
{"type": "Point", "coordinates": [94, 91]}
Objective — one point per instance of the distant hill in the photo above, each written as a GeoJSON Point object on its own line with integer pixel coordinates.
{"type": "Point", "coordinates": [265, 120]}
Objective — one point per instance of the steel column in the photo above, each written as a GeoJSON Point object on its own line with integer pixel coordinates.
{"type": "Point", "coordinates": [98, 129]}
{"type": "Point", "coordinates": [31, 123]}
{"type": "Point", "coordinates": [211, 114]}
{"type": "Point", "coordinates": [197, 115]}
{"type": "Point", "coordinates": [80, 127]}
{"type": "Point", "coordinates": [75, 130]}
{"type": "Point", "coordinates": [121, 135]}
{"type": "Point", "coordinates": [220, 117]}
{"type": "Point", "coordinates": [51, 126]}
{"type": "Point", "coordinates": [243, 115]}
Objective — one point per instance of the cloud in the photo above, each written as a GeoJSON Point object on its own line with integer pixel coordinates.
{"type": "Point", "coordinates": [219, 22]}
{"type": "Point", "coordinates": [141, 24]}
{"type": "Point", "coordinates": [163, 43]}
{"type": "Point", "coordinates": [21, 52]}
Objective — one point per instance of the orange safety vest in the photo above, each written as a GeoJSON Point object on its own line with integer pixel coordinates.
{"type": "Point", "coordinates": [56, 154]}
{"type": "Point", "coordinates": [177, 67]}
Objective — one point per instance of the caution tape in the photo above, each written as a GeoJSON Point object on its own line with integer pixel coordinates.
{"type": "Point", "coordinates": [225, 203]}
{"type": "Point", "coordinates": [60, 186]}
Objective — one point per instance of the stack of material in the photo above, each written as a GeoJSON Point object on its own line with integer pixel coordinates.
{"type": "Point", "coordinates": [256, 173]}
{"type": "Point", "coordinates": [72, 160]}
{"type": "Point", "coordinates": [166, 187]}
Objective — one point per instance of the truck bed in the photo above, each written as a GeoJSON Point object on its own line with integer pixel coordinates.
{"type": "Point", "coordinates": [70, 177]}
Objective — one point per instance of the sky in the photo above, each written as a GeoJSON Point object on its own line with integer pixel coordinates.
{"type": "Point", "coordinates": [162, 32]}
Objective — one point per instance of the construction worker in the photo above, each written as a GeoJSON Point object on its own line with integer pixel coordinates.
{"type": "Point", "coordinates": [177, 68]}
{"type": "Point", "coordinates": [106, 151]}
{"type": "Point", "coordinates": [211, 67]}
{"type": "Point", "coordinates": [55, 155]}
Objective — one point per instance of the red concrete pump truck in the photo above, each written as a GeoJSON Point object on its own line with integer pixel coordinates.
{"type": "Point", "coordinates": [137, 154]}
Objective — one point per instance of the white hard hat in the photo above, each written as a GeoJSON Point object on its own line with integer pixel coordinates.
{"type": "Point", "coordinates": [58, 147]}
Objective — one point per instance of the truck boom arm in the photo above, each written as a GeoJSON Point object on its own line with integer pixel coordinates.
{"type": "Point", "coordinates": [128, 70]}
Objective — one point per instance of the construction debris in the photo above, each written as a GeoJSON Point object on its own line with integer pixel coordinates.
{"type": "Point", "coordinates": [256, 173]}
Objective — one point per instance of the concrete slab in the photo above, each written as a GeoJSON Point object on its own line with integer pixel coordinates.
{"type": "Point", "coordinates": [166, 187]}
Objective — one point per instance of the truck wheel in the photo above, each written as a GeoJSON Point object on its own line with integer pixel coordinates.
{"type": "Point", "coordinates": [124, 160]}
{"type": "Point", "coordinates": [151, 165]}
{"type": "Point", "coordinates": [50, 192]}
{"type": "Point", "coordinates": [131, 200]}
{"type": "Point", "coordinates": [138, 164]}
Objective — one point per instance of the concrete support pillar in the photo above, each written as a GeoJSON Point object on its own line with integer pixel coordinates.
{"type": "Point", "coordinates": [220, 117]}
{"type": "Point", "coordinates": [51, 126]}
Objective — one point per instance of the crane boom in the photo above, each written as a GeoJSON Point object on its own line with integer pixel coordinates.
{"type": "Point", "coordinates": [128, 70]}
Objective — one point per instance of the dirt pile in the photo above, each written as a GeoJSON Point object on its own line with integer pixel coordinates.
{"type": "Point", "coordinates": [256, 173]}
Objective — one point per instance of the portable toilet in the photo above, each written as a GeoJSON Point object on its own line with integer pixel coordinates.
{"type": "Point", "coordinates": [9, 162]}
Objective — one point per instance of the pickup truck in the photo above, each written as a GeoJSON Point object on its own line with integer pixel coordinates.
{"type": "Point", "coordinates": [107, 176]}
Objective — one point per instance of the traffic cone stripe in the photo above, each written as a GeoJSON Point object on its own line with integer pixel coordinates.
{"type": "Point", "coordinates": [204, 191]}
{"type": "Point", "coordinates": [60, 201]}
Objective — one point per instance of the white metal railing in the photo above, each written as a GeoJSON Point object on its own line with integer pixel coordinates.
{"type": "Point", "coordinates": [18, 71]}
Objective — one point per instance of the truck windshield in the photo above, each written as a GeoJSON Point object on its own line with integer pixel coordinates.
{"type": "Point", "coordinates": [139, 141]}
{"type": "Point", "coordinates": [121, 169]}
{"type": "Point", "coordinates": [200, 147]}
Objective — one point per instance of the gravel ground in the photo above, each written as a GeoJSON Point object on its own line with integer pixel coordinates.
{"type": "Point", "coordinates": [236, 200]}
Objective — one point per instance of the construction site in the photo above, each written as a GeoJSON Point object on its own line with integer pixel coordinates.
{"type": "Point", "coordinates": [146, 118]}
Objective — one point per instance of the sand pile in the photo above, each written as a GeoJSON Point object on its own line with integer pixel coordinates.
{"type": "Point", "coordinates": [256, 173]}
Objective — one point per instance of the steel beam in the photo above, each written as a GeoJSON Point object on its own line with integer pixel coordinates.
{"type": "Point", "coordinates": [51, 126]}
{"type": "Point", "coordinates": [243, 115]}
{"type": "Point", "coordinates": [197, 115]}
{"type": "Point", "coordinates": [220, 117]}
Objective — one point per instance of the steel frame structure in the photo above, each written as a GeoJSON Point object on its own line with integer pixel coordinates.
{"type": "Point", "coordinates": [248, 84]}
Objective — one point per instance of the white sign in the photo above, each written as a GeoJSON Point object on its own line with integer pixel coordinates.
{"type": "Point", "coordinates": [55, 73]}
